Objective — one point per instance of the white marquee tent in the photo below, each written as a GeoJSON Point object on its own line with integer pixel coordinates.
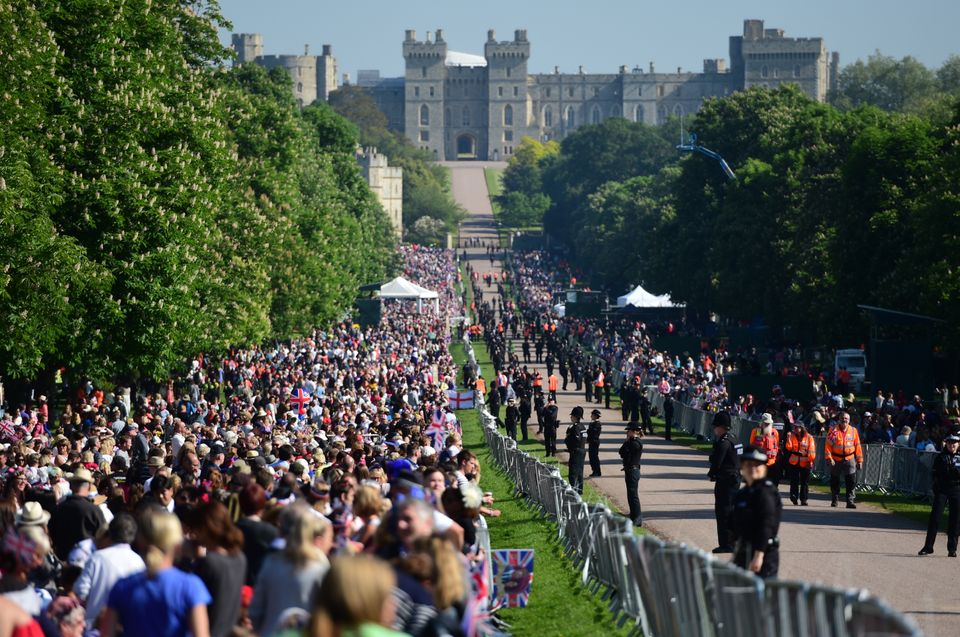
{"type": "Point", "coordinates": [400, 288]}
{"type": "Point", "coordinates": [641, 298]}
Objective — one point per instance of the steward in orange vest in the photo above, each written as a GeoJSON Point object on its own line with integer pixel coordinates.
{"type": "Point", "coordinates": [801, 449]}
{"type": "Point", "coordinates": [845, 457]}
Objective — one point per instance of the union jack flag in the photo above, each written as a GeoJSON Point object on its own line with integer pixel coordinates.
{"type": "Point", "coordinates": [301, 399]}
{"type": "Point", "coordinates": [437, 431]}
{"type": "Point", "coordinates": [512, 577]}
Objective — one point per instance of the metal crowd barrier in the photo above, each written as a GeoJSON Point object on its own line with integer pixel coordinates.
{"type": "Point", "coordinates": [886, 468]}
{"type": "Point", "coordinates": [664, 589]}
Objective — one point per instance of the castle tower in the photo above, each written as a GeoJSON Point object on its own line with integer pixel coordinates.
{"type": "Point", "coordinates": [510, 110]}
{"type": "Point", "coordinates": [326, 73]}
{"type": "Point", "coordinates": [424, 81]}
{"type": "Point", "coordinates": [248, 46]}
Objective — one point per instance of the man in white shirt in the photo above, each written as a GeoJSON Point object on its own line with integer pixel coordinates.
{"type": "Point", "coordinates": [107, 566]}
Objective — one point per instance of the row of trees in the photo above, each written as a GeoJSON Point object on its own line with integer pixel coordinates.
{"type": "Point", "coordinates": [831, 208]}
{"type": "Point", "coordinates": [154, 203]}
{"type": "Point", "coordinates": [429, 211]}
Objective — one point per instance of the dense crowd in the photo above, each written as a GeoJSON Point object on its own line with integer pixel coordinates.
{"type": "Point", "coordinates": [315, 487]}
{"type": "Point", "coordinates": [619, 352]}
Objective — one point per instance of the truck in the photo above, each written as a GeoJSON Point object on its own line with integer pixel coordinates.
{"type": "Point", "coordinates": [854, 360]}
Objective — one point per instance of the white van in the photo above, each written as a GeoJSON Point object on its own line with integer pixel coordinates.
{"type": "Point", "coordinates": [855, 361]}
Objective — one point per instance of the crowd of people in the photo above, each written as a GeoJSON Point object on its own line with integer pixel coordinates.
{"type": "Point", "coordinates": [313, 487]}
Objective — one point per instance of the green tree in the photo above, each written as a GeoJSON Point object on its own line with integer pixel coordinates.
{"type": "Point", "coordinates": [885, 82]}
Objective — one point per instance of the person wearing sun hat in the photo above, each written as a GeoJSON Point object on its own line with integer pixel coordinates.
{"type": "Point", "coordinates": [756, 517]}
{"type": "Point", "coordinates": [76, 518]}
{"type": "Point", "coordinates": [32, 515]}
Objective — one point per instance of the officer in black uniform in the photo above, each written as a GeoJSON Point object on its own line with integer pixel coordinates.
{"type": "Point", "coordinates": [756, 517]}
{"type": "Point", "coordinates": [946, 493]}
{"type": "Point", "coordinates": [576, 447]}
{"type": "Point", "coordinates": [725, 474]}
{"type": "Point", "coordinates": [539, 406]}
{"type": "Point", "coordinates": [550, 424]}
{"type": "Point", "coordinates": [630, 452]}
{"type": "Point", "coordinates": [525, 412]}
{"type": "Point", "coordinates": [593, 442]}
{"type": "Point", "coordinates": [512, 418]}
{"type": "Point", "coordinates": [644, 403]}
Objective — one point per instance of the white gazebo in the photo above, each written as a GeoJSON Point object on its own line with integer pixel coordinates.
{"type": "Point", "coordinates": [400, 288]}
{"type": "Point", "coordinates": [641, 298]}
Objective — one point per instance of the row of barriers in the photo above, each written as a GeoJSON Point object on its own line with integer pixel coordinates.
{"type": "Point", "coordinates": [886, 468]}
{"type": "Point", "coordinates": [663, 589]}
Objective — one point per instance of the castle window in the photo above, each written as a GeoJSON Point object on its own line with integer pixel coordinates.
{"type": "Point", "coordinates": [299, 87]}
{"type": "Point", "coordinates": [678, 110]}
{"type": "Point", "coordinates": [570, 91]}
{"type": "Point", "coordinates": [548, 117]}
{"type": "Point", "coordinates": [659, 90]}
{"type": "Point", "coordinates": [638, 113]}
{"type": "Point", "coordinates": [508, 135]}
{"type": "Point", "coordinates": [595, 115]}
{"type": "Point", "coordinates": [424, 135]}
{"type": "Point", "coordinates": [508, 71]}
{"type": "Point", "coordinates": [796, 70]}
{"type": "Point", "coordinates": [423, 71]}
{"type": "Point", "coordinates": [431, 91]}
{"type": "Point", "coordinates": [446, 117]}
{"type": "Point", "coordinates": [499, 91]}
{"type": "Point", "coordinates": [466, 116]}
{"type": "Point", "coordinates": [424, 115]}
{"type": "Point", "coordinates": [596, 92]}
{"type": "Point", "coordinates": [776, 73]}
{"type": "Point", "coordinates": [548, 91]}
{"type": "Point", "coordinates": [615, 111]}
{"type": "Point", "coordinates": [508, 115]}
{"type": "Point", "coordinates": [416, 91]}
{"type": "Point", "coordinates": [516, 91]}
{"type": "Point", "coordinates": [764, 72]}
{"type": "Point", "coordinates": [571, 117]}
{"type": "Point", "coordinates": [662, 115]}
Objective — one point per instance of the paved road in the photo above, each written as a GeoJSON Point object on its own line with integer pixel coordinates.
{"type": "Point", "coordinates": [865, 548]}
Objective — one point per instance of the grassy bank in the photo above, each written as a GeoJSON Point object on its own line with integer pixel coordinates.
{"type": "Point", "coordinates": [559, 604]}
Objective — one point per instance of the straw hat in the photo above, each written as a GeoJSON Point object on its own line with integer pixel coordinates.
{"type": "Point", "coordinates": [33, 515]}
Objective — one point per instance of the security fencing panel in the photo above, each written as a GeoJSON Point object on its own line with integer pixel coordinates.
{"type": "Point", "coordinates": [737, 604]}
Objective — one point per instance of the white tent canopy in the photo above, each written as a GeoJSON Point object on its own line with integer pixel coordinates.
{"type": "Point", "coordinates": [400, 288]}
{"type": "Point", "coordinates": [641, 298]}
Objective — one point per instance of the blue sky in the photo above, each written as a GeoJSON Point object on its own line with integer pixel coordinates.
{"type": "Point", "coordinates": [599, 34]}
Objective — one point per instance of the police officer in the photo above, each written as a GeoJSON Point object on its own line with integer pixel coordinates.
{"type": "Point", "coordinates": [644, 403]}
{"type": "Point", "coordinates": [575, 440]}
{"type": "Point", "coordinates": [756, 517]}
{"type": "Point", "coordinates": [525, 412]}
{"type": "Point", "coordinates": [512, 418]}
{"type": "Point", "coordinates": [550, 423]}
{"type": "Point", "coordinates": [946, 493]}
{"type": "Point", "coordinates": [630, 452]}
{"type": "Point", "coordinates": [593, 442]}
{"type": "Point", "coordinates": [725, 474]}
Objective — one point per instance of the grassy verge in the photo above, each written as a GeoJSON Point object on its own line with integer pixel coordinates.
{"type": "Point", "coordinates": [559, 604]}
{"type": "Point", "coordinates": [494, 186]}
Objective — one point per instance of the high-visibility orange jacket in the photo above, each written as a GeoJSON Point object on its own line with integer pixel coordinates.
{"type": "Point", "coordinates": [538, 380]}
{"type": "Point", "coordinates": [842, 445]}
{"type": "Point", "coordinates": [552, 382]}
{"type": "Point", "coordinates": [802, 451]}
{"type": "Point", "coordinates": [599, 381]}
{"type": "Point", "coordinates": [481, 387]}
{"type": "Point", "coordinates": [769, 443]}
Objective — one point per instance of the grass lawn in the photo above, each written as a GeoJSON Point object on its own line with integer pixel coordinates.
{"type": "Point", "coordinates": [559, 604]}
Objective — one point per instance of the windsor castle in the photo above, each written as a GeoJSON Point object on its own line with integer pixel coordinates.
{"type": "Point", "coordinates": [463, 106]}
